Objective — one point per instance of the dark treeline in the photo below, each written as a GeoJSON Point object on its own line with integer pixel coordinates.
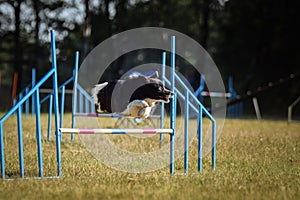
{"type": "Point", "coordinates": [254, 41]}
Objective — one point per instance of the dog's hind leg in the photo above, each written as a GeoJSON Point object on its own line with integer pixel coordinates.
{"type": "Point", "coordinates": [95, 90]}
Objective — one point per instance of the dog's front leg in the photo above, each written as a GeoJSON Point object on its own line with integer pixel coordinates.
{"type": "Point", "coordinates": [135, 109]}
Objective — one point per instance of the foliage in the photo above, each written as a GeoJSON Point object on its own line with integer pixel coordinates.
{"type": "Point", "coordinates": [253, 41]}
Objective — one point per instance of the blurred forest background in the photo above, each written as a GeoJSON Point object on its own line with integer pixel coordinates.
{"type": "Point", "coordinates": [254, 41]}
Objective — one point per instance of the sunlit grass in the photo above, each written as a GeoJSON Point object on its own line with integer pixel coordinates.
{"type": "Point", "coordinates": [255, 160]}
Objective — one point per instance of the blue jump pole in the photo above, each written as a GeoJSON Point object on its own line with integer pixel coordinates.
{"type": "Point", "coordinates": [200, 89]}
{"type": "Point", "coordinates": [74, 107]}
{"type": "Point", "coordinates": [62, 106]}
{"type": "Point", "coordinates": [231, 109]}
{"type": "Point", "coordinates": [80, 102]}
{"type": "Point", "coordinates": [55, 85]}
{"type": "Point", "coordinates": [237, 109]}
{"type": "Point", "coordinates": [20, 141]}
{"type": "Point", "coordinates": [38, 132]}
{"type": "Point", "coordinates": [173, 107]}
{"type": "Point", "coordinates": [50, 116]}
{"type": "Point", "coordinates": [33, 79]}
{"type": "Point", "coordinates": [92, 106]}
{"type": "Point", "coordinates": [186, 132]}
{"type": "Point", "coordinates": [2, 152]}
{"type": "Point", "coordinates": [86, 102]}
{"type": "Point", "coordinates": [214, 143]}
{"type": "Point", "coordinates": [20, 97]}
{"type": "Point", "coordinates": [230, 86]}
{"type": "Point", "coordinates": [162, 111]}
{"type": "Point", "coordinates": [200, 139]}
{"type": "Point", "coordinates": [27, 103]}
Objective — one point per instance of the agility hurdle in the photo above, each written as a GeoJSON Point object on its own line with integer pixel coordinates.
{"type": "Point", "coordinates": [170, 131]}
{"type": "Point", "coordinates": [188, 97]}
{"type": "Point", "coordinates": [18, 108]}
{"type": "Point", "coordinates": [231, 95]}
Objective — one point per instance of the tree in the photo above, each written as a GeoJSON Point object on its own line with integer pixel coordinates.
{"type": "Point", "coordinates": [37, 8]}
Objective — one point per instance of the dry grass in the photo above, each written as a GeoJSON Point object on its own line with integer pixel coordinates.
{"type": "Point", "coordinates": [255, 160]}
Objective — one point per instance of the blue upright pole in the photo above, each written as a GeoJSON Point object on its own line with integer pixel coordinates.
{"type": "Point", "coordinates": [86, 103]}
{"type": "Point", "coordinates": [162, 110]}
{"type": "Point", "coordinates": [230, 87]}
{"type": "Point", "coordinates": [55, 88]}
{"type": "Point", "coordinates": [200, 139]}
{"type": "Point", "coordinates": [92, 107]}
{"type": "Point", "coordinates": [186, 132]}
{"type": "Point", "coordinates": [50, 116]}
{"type": "Point", "coordinates": [20, 97]}
{"type": "Point", "coordinates": [173, 108]}
{"type": "Point", "coordinates": [14, 102]}
{"type": "Point", "coordinates": [62, 106]}
{"type": "Point", "coordinates": [214, 143]}
{"type": "Point", "coordinates": [80, 102]}
{"type": "Point", "coordinates": [20, 141]}
{"type": "Point", "coordinates": [33, 78]}
{"type": "Point", "coordinates": [231, 109]}
{"type": "Point", "coordinates": [38, 132]}
{"type": "Point", "coordinates": [74, 106]}
{"type": "Point", "coordinates": [27, 102]}
{"type": "Point", "coordinates": [2, 152]}
{"type": "Point", "coordinates": [200, 89]}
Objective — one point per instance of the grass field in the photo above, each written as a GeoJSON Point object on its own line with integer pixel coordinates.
{"type": "Point", "coordinates": [255, 160]}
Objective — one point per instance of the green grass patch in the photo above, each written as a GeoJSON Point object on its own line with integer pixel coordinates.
{"type": "Point", "coordinates": [255, 160]}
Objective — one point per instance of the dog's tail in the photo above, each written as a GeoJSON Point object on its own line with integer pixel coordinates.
{"type": "Point", "coordinates": [95, 90]}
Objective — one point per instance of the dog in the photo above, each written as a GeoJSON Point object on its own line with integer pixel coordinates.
{"type": "Point", "coordinates": [133, 96]}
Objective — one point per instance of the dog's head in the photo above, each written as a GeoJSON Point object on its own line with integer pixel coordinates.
{"type": "Point", "coordinates": [151, 89]}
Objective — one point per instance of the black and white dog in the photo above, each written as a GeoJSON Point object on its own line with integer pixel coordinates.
{"type": "Point", "coordinates": [133, 96]}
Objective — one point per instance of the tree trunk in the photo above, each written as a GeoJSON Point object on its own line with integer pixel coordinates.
{"type": "Point", "coordinates": [87, 29]}
{"type": "Point", "coordinates": [17, 47]}
{"type": "Point", "coordinates": [107, 16]}
{"type": "Point", "coordinates": [36, 5]}
{"type": "Point", "coordinates": [205, 23]}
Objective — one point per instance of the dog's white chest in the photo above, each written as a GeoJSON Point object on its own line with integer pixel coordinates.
{"type": "Point", "coordinates": [138, 108]}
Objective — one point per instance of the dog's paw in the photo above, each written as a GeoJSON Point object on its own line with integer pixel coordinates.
{"type": "Point", "coordinates": [137, 108]}
{"type": "Point", "coordinates": [144, 112]}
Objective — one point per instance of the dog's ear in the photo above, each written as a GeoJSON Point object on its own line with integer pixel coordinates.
{"type": "Point", "coordinates": [154, 75]}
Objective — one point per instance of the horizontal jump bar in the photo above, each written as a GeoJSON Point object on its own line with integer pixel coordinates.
{"type": "Point", "coordinates": [215, 94]}
{"type": "Point", "coordinates": [48, 91]}
{"type": "Point", "coordinates": [116, 131]}
{"type": "Point", "coordinates": [113, 115]}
